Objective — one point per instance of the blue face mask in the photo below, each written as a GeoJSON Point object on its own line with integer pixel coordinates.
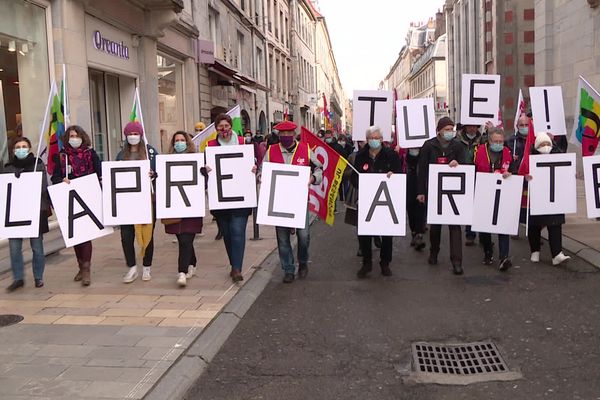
{"type": "Point", "coordinates": [448, 136]}
{"type": "Point", "coordinates": [374, 143]}
{"type": "Point", "coordinates": [21, 153]}
{"type": "Point", "coordinates": [180, 147]}
{"type": "Point", "coordinates": [524, 131]}
{"type": "Point", "coordinates": [496, 147]}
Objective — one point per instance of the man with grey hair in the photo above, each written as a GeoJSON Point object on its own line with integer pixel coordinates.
{"type": "Point", "coordinates": [375, 158]}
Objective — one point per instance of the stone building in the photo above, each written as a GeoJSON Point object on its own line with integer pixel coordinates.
{"type": "Point", "coordinates": [108, 48]}
{"type": "Point", "coordinates": [508, 48]}
{"type": "Point", "coordinates": [567, 45]}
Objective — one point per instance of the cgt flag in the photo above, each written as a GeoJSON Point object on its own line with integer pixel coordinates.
{"type": "Point", "coordinates": [210, 132]}
{"type": "Point", "coordinates": [321, 198]}
{"type": "Point", "coordinates": [586, 129]}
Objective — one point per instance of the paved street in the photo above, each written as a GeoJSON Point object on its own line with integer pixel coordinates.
{"type": "Point", "coordinates": [336, 337]}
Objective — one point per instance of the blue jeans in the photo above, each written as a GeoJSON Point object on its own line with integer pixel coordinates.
{"type": "Point", "coordinates": [488, 248]}
{"type": "Point", "coordinates": [284, 246]}
{"type": "Point", "coordinates": [16, 257]}
{"type": "Point", "coordinates": [233, 229]}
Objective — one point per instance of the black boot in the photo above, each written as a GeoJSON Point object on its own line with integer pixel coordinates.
{"type": "Point", "coordinates": [432, 259]}
{"type": "Point", "coordinates": [385, 268]}
{"type": "Point", "coordinates": [365, 269]}
{"type": "Point", "coordinates": [15, 285]}
{"type": "Point", "coordinates": [419, 242]}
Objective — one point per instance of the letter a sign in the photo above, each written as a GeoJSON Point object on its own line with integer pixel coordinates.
{"type": "Point", "coordinates": [382, 205]}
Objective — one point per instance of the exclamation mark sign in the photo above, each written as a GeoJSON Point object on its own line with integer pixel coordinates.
{"type": "Point", "coordinates": [547, 109]}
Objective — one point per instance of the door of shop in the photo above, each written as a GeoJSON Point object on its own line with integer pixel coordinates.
{"type": "Point", "coordinates": [105, 106]}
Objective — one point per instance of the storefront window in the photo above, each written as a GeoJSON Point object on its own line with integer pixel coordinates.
{"type": "Point", "coordinates": [24, 73]}
{"type": "Point", "coordinates": [170, 99]}
{"type": "Point", "coordinates": [106, 114]}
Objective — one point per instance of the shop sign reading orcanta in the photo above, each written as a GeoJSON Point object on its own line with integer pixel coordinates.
{"type": "Point", "coordinates": [118, 49]}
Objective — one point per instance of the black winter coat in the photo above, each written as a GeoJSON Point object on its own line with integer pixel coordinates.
{"type": "Point", "coordinates": [386, 160]}
{"type": "Point", "coordinates": [432, 152]}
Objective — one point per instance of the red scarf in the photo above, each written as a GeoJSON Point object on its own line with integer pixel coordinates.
{"type": "Point", "coordinates": [80, 161]}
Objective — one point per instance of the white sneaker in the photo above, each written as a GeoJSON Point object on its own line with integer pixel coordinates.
{"type": "Point", "coordinates": [146, 274]}
{"type": "Point", "coordinates": [535, 257]}
{"type": "Point", "coordinates": [181, 281]}
{"type": "Point", "coordinates": [131, 275]}
{"type": "Point", "coordinates": [191, 272]}
{"type": "Point", "coordinates": [560, 258]}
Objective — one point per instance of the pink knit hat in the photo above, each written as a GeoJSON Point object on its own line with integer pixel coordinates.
{"type": "Point", "coordinates": [133, 127]}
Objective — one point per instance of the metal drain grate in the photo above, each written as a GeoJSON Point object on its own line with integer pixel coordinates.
{"type": "Point", "coordinates": [9, 319]}
{"type": "Point", "coordinates": [458, 359]}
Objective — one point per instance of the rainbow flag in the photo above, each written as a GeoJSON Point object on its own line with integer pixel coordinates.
{"type": "Point", "coordinates": [210, 132]}
{"type": "Point", "coordinates": [586, 129]}
{"type": "Point", "coordinates": [56, 129]}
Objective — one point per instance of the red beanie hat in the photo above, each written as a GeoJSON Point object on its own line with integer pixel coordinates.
{"type": "Point", "coordinates": [133, 127]}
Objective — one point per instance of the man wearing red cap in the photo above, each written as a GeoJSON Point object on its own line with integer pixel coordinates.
{"type": "Point", "coordinates": [290, 151]}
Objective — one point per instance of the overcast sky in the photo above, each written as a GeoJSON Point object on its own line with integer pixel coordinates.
{"type": "Point", "coordinates": [367, 36]}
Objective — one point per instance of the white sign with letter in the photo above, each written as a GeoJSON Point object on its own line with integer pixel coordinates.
{"type": "Point", "coordinates": [450, 194]}
{"type": "Point", "coordinates": [20, 202]}
{"type": "Point", "coordinates": [78, 207]}
{"type": "Point", "coordinates": [553, 189]}
{"type": "Point", "coordinates": [591, 176]}
{"type": "Point", "coordinates": [372, 108]}
{"type": "Point", "coordinates": [382, 205]}
{"type": "Point", "coordinates": [547, 110]}
{"type": "Point", "coordinates": [480, 99]}
{"type": "Point", "coordinates": [415, 120]}
{"type": "Point", "coordinates": [283, 198]}
{"type": "Point", "coordinates": [497, 203]}
{"type": "Point", "coordinates": [231, 183]}
{"type": "Point", "coordinates": [180, 186]}
{"type": "Point", "coordinates": [126, 193]}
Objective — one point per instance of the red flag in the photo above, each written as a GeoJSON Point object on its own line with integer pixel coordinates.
{"type": "Point", "coordinates": [524, 167]}
{"type": "Point", "coordinates": [321, 198]}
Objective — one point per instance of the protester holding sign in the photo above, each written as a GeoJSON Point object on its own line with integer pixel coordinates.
{"type": "Point", "coordinates": [553, 222]}
{"type": "Point", "coordinates": [442, 149]}
{"type": "Point", "coordinates": [290, 151]}
{"type": "Point", "coordinates": [134, 149]}
{"type": "Point", "coordinates": [375, 158]}
{"type": "Point", "coordinates": [232, 222]}
{"type": "Point", "coordinates": [184, 228]}
{"type": "Point", "coordinates": [470, 138]}
{"type": "Point", "coordinates": [25, 161]}
{"type": "Point", "coordinates": [75, 160]}
{"type": "Point", "coordinates": [494, 157]}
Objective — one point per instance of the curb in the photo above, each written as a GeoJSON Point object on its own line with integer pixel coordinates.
{"type": "Point", "coordinates": [182, 375]}
{"type": "Point", "coordinates": [582, 251]}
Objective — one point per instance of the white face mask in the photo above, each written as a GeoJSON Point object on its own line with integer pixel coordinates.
{"type": "Point", "coordinates": [75, 142]}
{"type": "Point", "coordinates": [414, 152]}
{"type": "Point", "coordinates": [134, 139]}
{"type": "Point", "coordinates": [545, 149]}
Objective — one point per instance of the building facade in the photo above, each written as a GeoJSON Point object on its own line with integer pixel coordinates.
{"type": "Point", "coordinates": [188, 59]}
{"type": "Point", "coordinates": [579, 42]}
{"type": "Point", "coordinates": [508, 48]}
{"type": "Point", "coordinates": [304, 95]}
{"type": "Point", "coordinates": [106, 50]}
{"type": "Point", "coordinates": [420, 71]}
